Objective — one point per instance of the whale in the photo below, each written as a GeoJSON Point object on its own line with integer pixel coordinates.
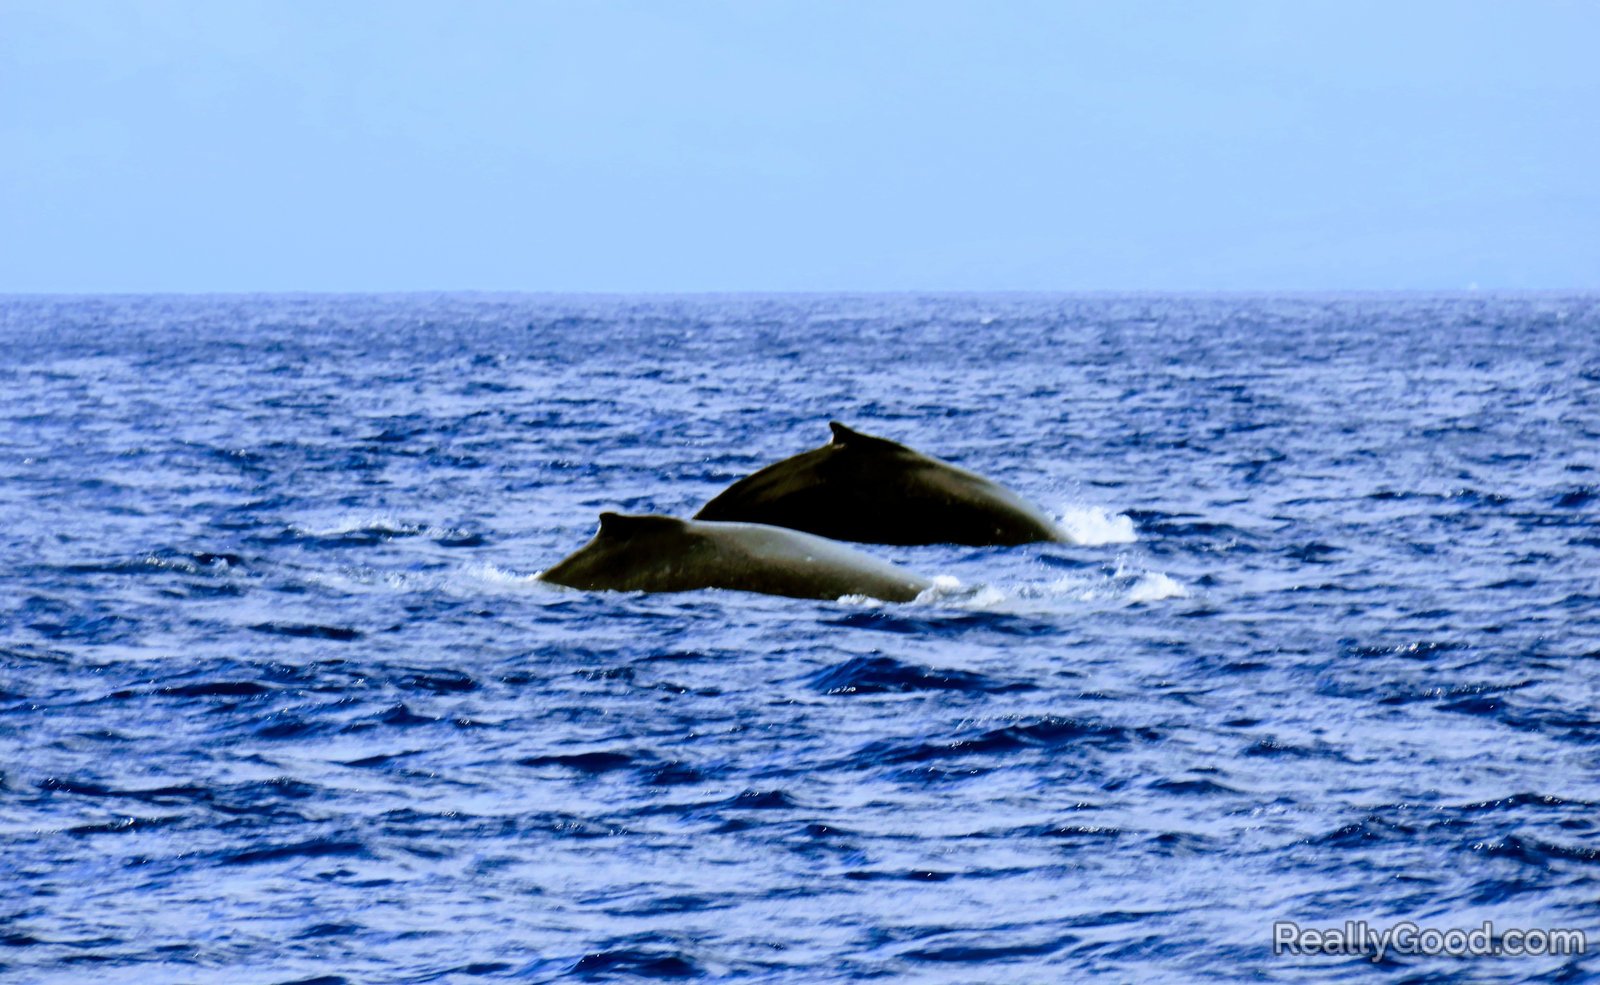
{"type": "Point", "coordinates": [665, 554]}
{"type": "Point", "coordinates": [863, 488]}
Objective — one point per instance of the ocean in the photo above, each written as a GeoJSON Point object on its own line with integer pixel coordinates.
{"type": "Point", "coordinates": [282, 701]}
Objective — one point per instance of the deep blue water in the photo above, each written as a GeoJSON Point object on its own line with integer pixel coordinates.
{"type": "Point", "coordinates": [280, 699]}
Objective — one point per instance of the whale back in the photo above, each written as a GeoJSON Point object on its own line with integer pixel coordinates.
{"type": "Point", "coordinates": [864, 488]}
{"type": "Point", "coordinates": [666, 554]}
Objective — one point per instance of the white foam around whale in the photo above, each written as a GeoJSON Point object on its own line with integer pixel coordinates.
{"type": "Point", "coordinates": [1093, 526]}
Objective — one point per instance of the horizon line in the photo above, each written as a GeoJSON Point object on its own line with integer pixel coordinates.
{"type": "Point", "coordinates": [1472, 291]}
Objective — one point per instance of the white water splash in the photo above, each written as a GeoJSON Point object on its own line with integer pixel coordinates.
{"type": "Point", "coordinates": [865, 601]}
{"type": "Point", "coordinates": [1155, 586]}
{"type": "Point", "coordinates": [944, 587]}
{"type": "Point", "coordinates": [1115, 588]}
{"type": "Point", "coordinates": [377, 523]}
{"type": "Point", "coordinates": [1093, 526]}
{"type": "Point", "coordinates": [485, 574]}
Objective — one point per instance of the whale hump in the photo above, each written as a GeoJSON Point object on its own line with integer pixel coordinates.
{"type": "Point", "coordinates": [844, 437]}
{"type": "Point", "coordinates": [625, 525]}
{"type": "Point", "coordinates": [872, 490]}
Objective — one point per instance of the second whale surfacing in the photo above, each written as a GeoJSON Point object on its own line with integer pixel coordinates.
{"type": "Point", "coordinates": [666, 554]}
{"type": "Point", "coordinates": [872, 490]}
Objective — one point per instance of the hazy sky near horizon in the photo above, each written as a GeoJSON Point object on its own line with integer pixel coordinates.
{"type": "Point", "coordinates": [271, 145]}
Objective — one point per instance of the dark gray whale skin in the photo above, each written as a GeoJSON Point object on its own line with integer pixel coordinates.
{"type": "Point", "coordinates": [666, 554]}
{"type": "Point", "coordinates": [872, 490]}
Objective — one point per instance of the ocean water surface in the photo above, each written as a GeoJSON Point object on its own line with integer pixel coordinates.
{"type": "Point", "coordinates": [281, 700]}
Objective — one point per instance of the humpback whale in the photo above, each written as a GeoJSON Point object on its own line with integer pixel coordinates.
{"type": "Point", "coordinates": [872, 490]}
{"type": "Point", "coordinates": [666, 554]}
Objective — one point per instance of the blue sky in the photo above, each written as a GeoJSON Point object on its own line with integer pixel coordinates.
{"type": "Point", "coordinates": [700, 146]}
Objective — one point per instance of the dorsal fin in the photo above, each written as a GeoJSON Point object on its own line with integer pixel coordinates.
{"type": "Point", "coordinates": [625, 525]}
{"type": "Point", "coordinates": [845, 437]}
